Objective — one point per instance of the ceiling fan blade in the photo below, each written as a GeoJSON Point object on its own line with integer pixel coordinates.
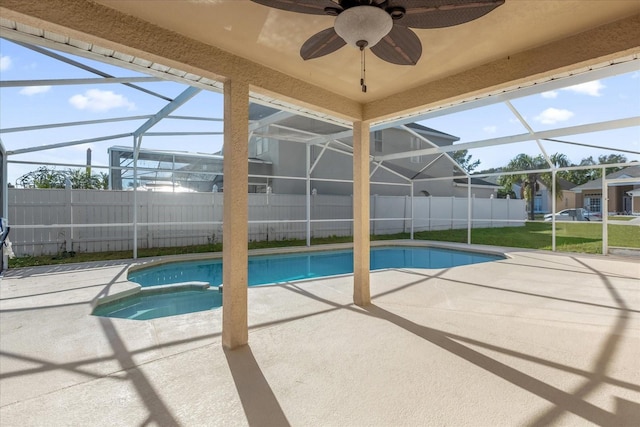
{"type": "Point", "coordinates": [443, 13]}
{"type": "Point", "coordinates": [313, 7]}
{"type": "Point", "coordinates": [401, 46]}
{"type": "Point", "coordinates": [321, 44]}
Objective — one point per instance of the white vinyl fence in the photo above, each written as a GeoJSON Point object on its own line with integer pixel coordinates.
{"type": "Point", "coordinates": [50, 221]}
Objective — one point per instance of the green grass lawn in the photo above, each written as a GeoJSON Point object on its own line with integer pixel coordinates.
{"type": "Point", "coordinates": [622, 218]}
{"type": "Point", "coordinates": [570, 236]}
{"type": "Point", "coordinates": [585, 237]}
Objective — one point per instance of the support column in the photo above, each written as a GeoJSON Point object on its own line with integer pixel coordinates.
{"type": "Point", "coordinates": [235, 232]}
{"type": "Point", "coordinates": [361, 244]}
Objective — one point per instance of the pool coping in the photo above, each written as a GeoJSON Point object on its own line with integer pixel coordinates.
{"type": "Point", "coordinates": [492, 250]}
{"type": "Point", "coordinates": [132, 288]}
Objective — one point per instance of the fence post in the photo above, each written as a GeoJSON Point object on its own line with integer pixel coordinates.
{"type": "Point", "coordinates": [68, 200]}
{"type": "Point", "coordinates": [268, 215]}
{"type": "Point", "coordinates": [404, 215]}
{"type": "Point", "coordinates": [491, 210]}
{"type": "Point", "coordinates": [375, 213]}
{"type": "Point", "coordinates": [150, 218]}
{"type": "Point", "coordinates": [453, 211]}
{"type": "Point", "coordinates": [412, 211]}
{"type": "Point", "coordinates": [429, 201]}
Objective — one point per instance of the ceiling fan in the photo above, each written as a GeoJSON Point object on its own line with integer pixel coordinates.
{"type": "Point", "coordinates": [383, 26]}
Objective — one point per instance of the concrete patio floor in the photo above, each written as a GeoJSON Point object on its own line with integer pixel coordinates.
{"type": "Point", "coordinates": [536, 339]}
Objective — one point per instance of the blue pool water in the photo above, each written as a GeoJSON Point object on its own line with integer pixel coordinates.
{"type": "Point", "coordinates": [153, 303]}
{"type": "Point", "coordinates": [145, 306]}
{"type": "Point", "coordinates": [285, 268]}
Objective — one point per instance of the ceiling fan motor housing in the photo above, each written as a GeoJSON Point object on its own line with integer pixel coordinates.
{"type": "Point", "coordinates": [363, 24]}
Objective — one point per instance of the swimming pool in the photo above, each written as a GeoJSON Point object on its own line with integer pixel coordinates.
{"type": "Point", "coordinates": [268, 269]}
{"type": "Point", "coordinates": [168, 289]}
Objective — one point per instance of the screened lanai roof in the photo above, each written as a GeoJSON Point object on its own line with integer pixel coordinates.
{"type": "Point", "coordinates": [462, 67]}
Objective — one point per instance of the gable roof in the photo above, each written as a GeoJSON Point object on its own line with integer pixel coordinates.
{"type": "Point", "coordinates": [476, 181]}
{"type": "Point", "coordinates": [566, 185]}
{"type": "Point", "coordinates": [596, 184]}
{"type": "Point", "coordinates": [429, 131]}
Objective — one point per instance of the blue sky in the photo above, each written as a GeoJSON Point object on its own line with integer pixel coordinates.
{"type": "Point", "coordinates": [607, 99]}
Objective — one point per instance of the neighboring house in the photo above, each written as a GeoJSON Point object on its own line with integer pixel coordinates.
{"type": "Point", "coordinates": [278, 150]}
{"type": "Point", "coordinates": [278, 144]}
{"type": "Point", "coordinates": [624, 197]}
{"type": "Point", "coordinates": [177, 170]}
{"type": "Point", "coordinates": [543, 199]}
{"type": "Point", "coordinates": [543, 202]}
{"type": "Point", "coordinates": [480, 188]}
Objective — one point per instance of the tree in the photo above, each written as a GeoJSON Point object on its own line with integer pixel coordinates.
{"type": "Point", "coordinates": [45, 177]}
{"type": "Point", "coordinates": [85, 180]}
{"type": "Point", "coordinates": [464, 160]}
{"type": "Point", "coordinates": [528, 181]}
{"type": "Point", "coordinates": [583, 176]}
{"type": "Point", "coordinates": [560, 160]}
{"type": "Point", "coordinates": [610, 159]}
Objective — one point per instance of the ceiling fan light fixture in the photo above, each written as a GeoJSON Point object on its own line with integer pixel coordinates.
{"type": "Point", "coordinates": [363, 23]}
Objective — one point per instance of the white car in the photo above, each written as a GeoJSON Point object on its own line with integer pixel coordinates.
{"type": "Point", "coordinates": [578, 214]}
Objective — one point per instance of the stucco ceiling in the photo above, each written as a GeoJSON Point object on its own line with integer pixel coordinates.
{"type": "Point", "coordinates": [522, 39]}
{"type": "Point", "coordinates": [273, 38]}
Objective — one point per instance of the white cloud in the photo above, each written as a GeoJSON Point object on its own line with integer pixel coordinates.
{"type": "Point", "coordinates": [554, 115]}
{"type": "Point", "coordinates": [97, 100]}
{"type": "Point", "coordinates": [32, 90]}
{"type": "Point", "coordinates": [490, 129]}
{"type": "Point", "coordinates": [590, 88]}
{"type": "Point", "coordinates": [5, 63]}
{"type": "Point", "coordinates": [550, 94]}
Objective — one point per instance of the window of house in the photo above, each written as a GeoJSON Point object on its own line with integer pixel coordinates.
{"type": "Point", "coordinates": [262, 145]}
{"type": "Point", "coordinates": [416, 144]}
{"type": "Point", "coordinates": [377, 141]}
{"type": "Point", "coordinates": [537, 203]}
{"type": "Point", "coordinates": [594, 204]}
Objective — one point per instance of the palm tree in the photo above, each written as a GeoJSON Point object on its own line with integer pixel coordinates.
{"type": "Point", "coordinates": [529, 180]}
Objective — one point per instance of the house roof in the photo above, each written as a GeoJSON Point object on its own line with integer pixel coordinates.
{"type": "Point", "coordinates": [429, 131]}
{"type": "Point", "coordinates": [596, 184]}
{"type": "Point", "coordinates": [566, 185]}
{"type": "Point", "coordinates": [476, 181]}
